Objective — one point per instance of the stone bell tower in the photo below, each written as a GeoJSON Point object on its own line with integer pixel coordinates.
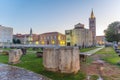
{"type": "Point", "coordinates": [30, 38]}
{"type": "Point", "coordinates": [92, 27]}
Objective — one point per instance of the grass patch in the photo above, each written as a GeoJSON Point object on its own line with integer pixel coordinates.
{"type": "Point", "coordinates": [94, 77]}
{"type": "Point", "coordinates": [32, 63]}
{"type": "Point", "coordinates": [89, 60]}
{"type": "Point", "coordinates": [87, 49]}
{"type": "Point", "coordinates": [5, 48]}
{"type": "Point", "coordinates": [109, 55]}
{"type": "Point", "coordinates": [3, 58]}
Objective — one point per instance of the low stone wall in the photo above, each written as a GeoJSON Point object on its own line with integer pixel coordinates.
{"type": "Point", "coordinates": [14, 56]}
{"type": "Point", "coordinates": [63, 59]}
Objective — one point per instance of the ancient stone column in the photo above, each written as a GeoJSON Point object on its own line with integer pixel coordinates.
{"type": "Point", "coordinates": [63, 59]}
{"type": "Point", "coordinates": [14, 56]}
{"type": "Point", "coordinates": [69, 60]}
{"type": "Point", "coordinates": [50, 59]}
{"type": "Point", "coordinates": [76, 60]}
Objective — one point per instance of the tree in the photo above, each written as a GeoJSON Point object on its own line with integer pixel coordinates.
{"type": "Point", "coordinates": [111, 33]}
{"type": "Point", "coordinates": [14, 41]}
{"type": "Point", "coordinates": [18, 41]}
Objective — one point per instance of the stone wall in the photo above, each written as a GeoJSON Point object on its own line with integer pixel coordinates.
{"type": "Point", "coordinates": [63, 59]}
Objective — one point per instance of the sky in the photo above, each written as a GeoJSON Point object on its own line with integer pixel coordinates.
{"type": "Point", "coordinates": [57, 15]}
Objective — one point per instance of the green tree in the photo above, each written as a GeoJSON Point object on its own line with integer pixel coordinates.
{"type": "Point", "coordinates": [18, 41]}
{"type": "Point", "coordinates": [14, 41]}
{"type": "Point", "coordinates": [111, 33]}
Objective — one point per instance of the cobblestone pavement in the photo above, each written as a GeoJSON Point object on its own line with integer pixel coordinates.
{"type": "Point", "coordinates": [8, 72]}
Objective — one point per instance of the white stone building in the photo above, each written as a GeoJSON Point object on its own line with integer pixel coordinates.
{"type": "Point", "coordinates": [6, 34]}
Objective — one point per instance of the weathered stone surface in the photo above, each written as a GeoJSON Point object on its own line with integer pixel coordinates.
{"type": "Point", "coordinates": [50, 59]}
{"type": "Point", "coordinates": [14, 56]}
{"type": "Point", "coordinates": [1, 51]}
{"type": "Point", "coordinates": [76, 60]}
{"type": "Point", "coordinates": [5, 52]}
{"type": "Point", "coordinates": [39, 54]}
{"type": "Point", "coordinates": [64, 59]}
{"type": "Point", "coordinates": [8, 72]}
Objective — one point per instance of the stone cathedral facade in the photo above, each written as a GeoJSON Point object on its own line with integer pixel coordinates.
{"type": "Point", "coordinates": [80, 36]}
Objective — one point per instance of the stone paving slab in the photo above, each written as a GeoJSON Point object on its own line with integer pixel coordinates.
{"type": "Point", "coordinates": [8, 72]}
{"type": "Point", "coordinates": [89, 53]}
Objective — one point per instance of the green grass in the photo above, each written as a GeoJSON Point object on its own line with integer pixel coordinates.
{"type": "Point", "coordinates": [108, 54]}
{"type": "Point", "coordinates": [30, 49]}
{"type": "Point", "coordinates": [94, 77]}
{"type": "Point", "coordinates": [87, 49]}
{"type": "Point", "coordinates": [89, 60]}
{"type": "Point", "coordinates": [32, 63]}
{"type": "Point", "coordinates": [3, 58]}
{"type": "Point", "coordinates": [5, 48]}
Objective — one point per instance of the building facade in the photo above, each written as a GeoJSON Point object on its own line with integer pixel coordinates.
{"type": "Point", "coordinates": [6, 34]}
{"type": "Point", "coordinates": [79, 36]}
{"type": "Point", "coordinates": [100, 40]}
{"type": "Point", "coordinates": [26, 38]}
{"type": "Point", "coordinates": [52, 38]}
{"type": "Point", "coordinates": [22, 37]}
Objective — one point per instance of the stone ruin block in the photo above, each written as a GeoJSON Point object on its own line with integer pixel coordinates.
{"type": "Point", "coordinates": [50, 59]}
{"type": "Point", "coordinates": [14, 56]}
{"type": "Point", "coordinates": [63, 59]}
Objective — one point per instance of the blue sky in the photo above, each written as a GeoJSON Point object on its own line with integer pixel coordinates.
{"type": "Point", "coordinates": [56, 15]}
